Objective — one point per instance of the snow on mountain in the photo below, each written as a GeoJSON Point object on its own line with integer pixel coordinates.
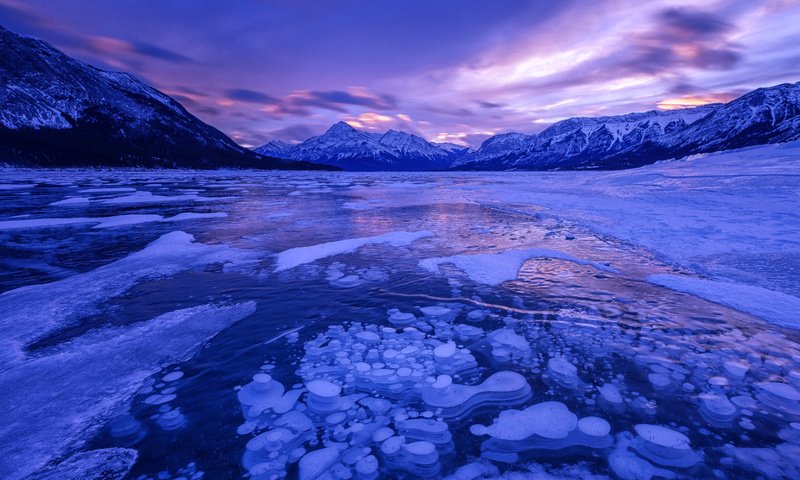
{"type": "Point", "coordinates": [275, 148]}
{"type": "Point", "coordinates": [763, 116]}
{"type": "Point", "coordinates": [581, 141]}
{"type": "Point", "coordinates": [345, 147]}
{"type": "Point", "coordinates": [58, 111]}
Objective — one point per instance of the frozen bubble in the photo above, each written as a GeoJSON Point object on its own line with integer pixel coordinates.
{"type": "Point", "coordinates": [367, 468]}
{"type": "Point", "coordinates": [445, 350]}
{"type": "Point", "coordinates": [780, 396]}
{"type": "Point", "coordinates": [457, 401]}
{"type": "Point", "coordinates": [781, 390]}
{"type": "Point", "coordinates": [401, 318]}
{"type": "Point", "coordinates": [594, 426]}
{"type": "Point", "coordinates": [717, 410]}
{"type": "Point", "coordinates": [659, 380]}
{"type": "Point", "coordinates": [718, 381]}
{"type": "Point", "coordinates": [663, 437]}
{"type": "Point", "coordinates": [315, 463]}
{"type": "Point", "coordinates": [664, 446]}
{"type": "Point", "coordinates": [172, 376]}
{"type": "Point", "coordinates": [348, 281]}
{"type": "Point", "coordinates": [435, 311]}
{"type": "Point", "coordinates": [551, 420]}
{"type": "Point", "coordinates": [736, 369]}
{"type": "Point", "coordinates": [563, 372]}
{"type": "Point", "coordinates": [368, 337]}
{"type": "Point", "coordinates": [323, 388]}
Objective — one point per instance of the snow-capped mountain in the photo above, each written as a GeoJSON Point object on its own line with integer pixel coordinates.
{"type": "Point", "coordinates": [58, 111]}
{"type": "Point", "coordinates": [581, 142]}
{"type": "Point", "coordinates": [765, 115]}
{"type": "Point", "coordinates": [345, 147]}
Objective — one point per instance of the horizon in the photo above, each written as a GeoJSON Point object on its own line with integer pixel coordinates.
{"type": "Point", "coordinates": [511, 75]}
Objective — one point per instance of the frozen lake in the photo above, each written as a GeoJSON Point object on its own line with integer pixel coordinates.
{"type": "Point", "coordinates": [631, 324]}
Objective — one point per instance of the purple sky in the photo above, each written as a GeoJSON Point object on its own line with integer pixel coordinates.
{"type": "Point", "coordinates": [449, 70]}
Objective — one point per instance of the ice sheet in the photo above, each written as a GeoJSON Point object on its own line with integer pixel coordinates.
{"type": "Point", "coordinates": [772, 306]}
{"type": "Point", "coordinates": [53, 403]}
{"type": "Point", "coordinates": [33, 312]}
{"type": "Point", "coordinates": [301, 255]}
{"type": "Point", "coordinates": [496, 268]}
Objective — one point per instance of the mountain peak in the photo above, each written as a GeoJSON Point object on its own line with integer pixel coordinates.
{"type": "Point", "coordinates": [340, 127]}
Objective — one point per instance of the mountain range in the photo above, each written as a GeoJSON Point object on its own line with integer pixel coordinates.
{"type": "Point", "coordinates": [765, 115]}
{"type": "Point", "coordinates": [57, 111]}
{"type": "Point", "coordinates": [345, 147]}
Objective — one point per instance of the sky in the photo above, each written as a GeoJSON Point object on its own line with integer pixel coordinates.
{"type": "Point", "coordinates": [448, 70]}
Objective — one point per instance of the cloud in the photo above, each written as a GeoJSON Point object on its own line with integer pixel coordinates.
{"type": "Point", "coordinates": [688, 101]}
{"type": "Point", "coordinates": [154, 51]}
{"type": "Point", "coordinates": [338, 100]}
{"type": "Point", "coordinates": [294, 133]}
{"type": "Point", "coordinates": [250, 96]}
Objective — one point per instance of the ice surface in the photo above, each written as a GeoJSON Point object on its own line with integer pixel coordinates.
{"type": "Point", "coordinates": [388, 367]}
{"type": "Point", "coordinates": [103, 464]}
{"type": "Point", "coordinates": [91, 379]}
{"type": "Point", "coordinates": [104, 222]}
{"type": "Point", "coordinates": [32, 312]}
{"type": "Point", "coordinates": [301, 255]}
{"type": "Point", "coordinates": [775, 307]}
{"type": "Point", "coordinates": [496, 268]}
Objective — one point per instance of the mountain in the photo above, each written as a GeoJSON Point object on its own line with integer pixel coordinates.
{"type": "Point", "coordinates": [763, 116]}
{"type": "Point", "coordinates": [582, 142]}
{"type": "Point", "coordinates": [345, 147]}
{"type": "Point", "coordinates": [58, 111]}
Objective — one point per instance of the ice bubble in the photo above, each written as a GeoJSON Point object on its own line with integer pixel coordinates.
{"type": "Point", "coordinates": [611, 399]}
{"type": "Point", "coordinates": [323, 396]}
{"type": "Point", "coordinates": [127, 430]}
{"type": "Point", "coordinates": [717, 410]}
{"type": "Point", "coordinates": [551, 420]}
{"type": "Point", "coordinates": [544, 426]}
{"type": "Point", "coordinates": [445, 351]}
{"type": "Point", "coordinates": [562, 372]}
{"type": "Point", "coordinates": [417, 458]}
{"type": "Point", "coordinates": [664, 446]}
{"type": "Point", "coordinates": [457, 401]}
{"type": "Point", "coordinates": [426, 429]}
{"type": "Point", "coordinates": [367, 337]}
{"type": "Point", "coordinates": [402, 319]}
{"type": "Point", "coordinates": [476, 315]}
{"type": "Point", "coordinates": [780, 396]}
{"type": "Point", "coordinates": [506, 343]}
{"type": "Point", "coordinates": [629, 466]}
{"type": "Point", "coordinates": [659, 381]}
{"type": "Point", "coordinates": [367, 468]}
{"type": "Point", "coordinates": [467, 332]}
{"type": "Point", "coordinates": [172, 376]}
{"type": "Point", "coordinates": [736, 369]}
{"type": "Point", "coordinates": [315, 463]}
{"type": "Point", "coordinates": [718, 381]}
{"type": "Point", "coordinates": [435, 311]}
{"type": "Point", "coordinates": [594, 426]}
{"type": "Point", "coordinates": [171, 420]}
{"type": "Point", "coordinates": [348, 281]}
